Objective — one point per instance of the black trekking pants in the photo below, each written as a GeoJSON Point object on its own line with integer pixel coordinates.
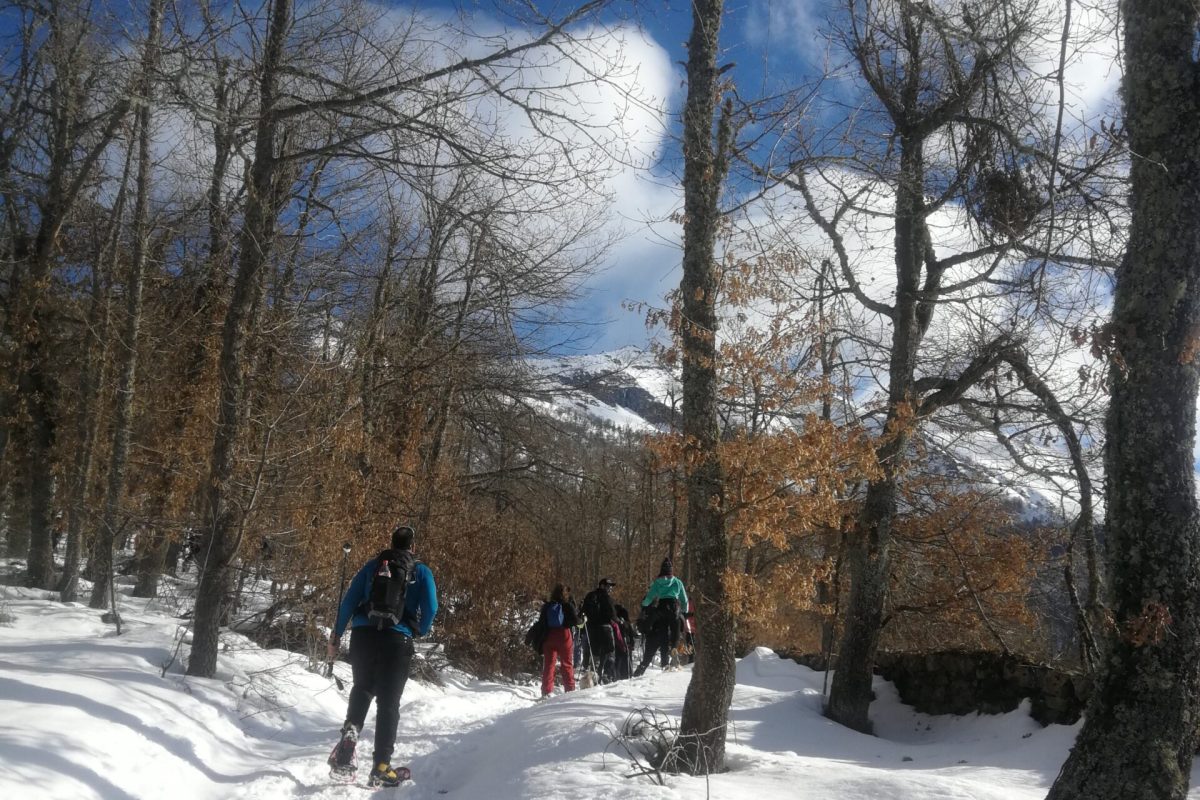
{"type": "Point", "coordinates": [603, 644]}
{"type": "Point", "coordinates": [663, 638]}
{"type": "Point", "coordinates": [380, 660]}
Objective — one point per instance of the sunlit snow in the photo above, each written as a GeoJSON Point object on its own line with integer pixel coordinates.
{"type": "Point", "coordinates": [87, 714]}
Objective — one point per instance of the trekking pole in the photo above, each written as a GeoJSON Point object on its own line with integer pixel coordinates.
{"type": "Point", "coordinates": [337, 610]}
{"type": "Point", "coordinates": [592, 665]}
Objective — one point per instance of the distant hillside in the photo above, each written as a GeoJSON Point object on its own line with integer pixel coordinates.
{"type": "Point", "coordinates": [628, 389]}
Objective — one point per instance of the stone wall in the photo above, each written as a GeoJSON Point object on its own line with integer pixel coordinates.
{"type": "Point", "coordinates": [989, 683]}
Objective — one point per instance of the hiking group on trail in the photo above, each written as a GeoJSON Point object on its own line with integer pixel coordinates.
{"type": "Point", "coordinates": [599, 637]}
{"type": "Point", "coordinates": [393, 599]}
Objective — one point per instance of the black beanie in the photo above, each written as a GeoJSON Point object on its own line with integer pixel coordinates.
{"type": "Point", "coordinates": [402, 537]}
{"type": "Point", "coordinates": [665, 569]}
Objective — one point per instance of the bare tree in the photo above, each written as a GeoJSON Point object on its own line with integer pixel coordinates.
{"type": "Point", "coordinates": [217, 105]}
{"type": "Point", "coordinates": [91, 379]}
{"type": "Point", "coordinates": [222, 536]}
{"type": "Point", "coordinates": [123, 422]}
{"type": "Point", "coordinates": [946, 156]}
{"type": "Point", "coordinates": [76, 110]}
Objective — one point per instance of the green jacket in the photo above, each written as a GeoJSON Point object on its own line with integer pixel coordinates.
{"type": "Point", "coordinates": [667, 586]}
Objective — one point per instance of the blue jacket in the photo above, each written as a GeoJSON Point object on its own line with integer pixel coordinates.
{"type": "Point", "coordinates": [420, 601]}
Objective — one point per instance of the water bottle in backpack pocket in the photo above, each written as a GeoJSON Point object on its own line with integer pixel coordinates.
{"type": "Point", "coordinates": [393, 572]}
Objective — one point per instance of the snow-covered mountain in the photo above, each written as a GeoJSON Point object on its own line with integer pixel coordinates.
{"type": "Point", "coordinates": [625, 388]}
{"type": "Point", "coordinates": [629, 389]}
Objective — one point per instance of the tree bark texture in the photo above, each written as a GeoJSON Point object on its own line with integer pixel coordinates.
{"type": "Point", "coordinates": [16, 540]}
{"type": "Point", "coordinates": [706, 705]}
{"type": "Point", "coordinates": [1141, 728]}
{"type": "Point", "coordinates": [869, 561]}
{"type": "Point", "coordinates": [221, 540]}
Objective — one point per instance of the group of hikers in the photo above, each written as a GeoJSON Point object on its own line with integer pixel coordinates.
{"type": "Point", "coordinates": [599, 636]}
{"type": "Point", "coordinates": [393, 598]}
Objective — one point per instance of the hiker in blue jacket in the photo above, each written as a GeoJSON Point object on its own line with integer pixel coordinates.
{"type": "Point", "coordinates": [381, 650]}
{"type": "Point", "coordinates": [664, 604]}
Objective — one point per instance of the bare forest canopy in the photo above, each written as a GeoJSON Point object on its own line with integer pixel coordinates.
{"type": "Point", "coordinates": [275, 278]}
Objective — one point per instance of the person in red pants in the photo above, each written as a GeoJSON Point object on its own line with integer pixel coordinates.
{"type": "Point", "coordinates": [560, 617]}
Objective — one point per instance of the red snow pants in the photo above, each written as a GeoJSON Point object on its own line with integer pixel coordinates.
{"type": "Point", "coordinates": [558, 647]}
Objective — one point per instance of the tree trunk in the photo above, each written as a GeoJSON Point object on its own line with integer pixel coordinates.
{"type": "Point", "coordinates": [868, 556]}
{"type": "Point", "coordinates": [158, 549]}
{"type": "Point", "coordinates": [36, 385]}
{"type": "Point", "coordinates": [868, 560]}
{"type": "Point", "coordinates": [91, 379]}
{"type": "Point", "coordinates": [1141, 728]}
{"type": "Point", "coordinates": [221, 540]}
{"type": "Point", "coordinates": [706, 706]}
{"type": "Point", "coordinates": [16, 516]}
{"type": "Point", "coordinates": [123, 422]}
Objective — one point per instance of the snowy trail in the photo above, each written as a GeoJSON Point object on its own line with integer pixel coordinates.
{"type": "Point", "coordinates": [85, 714]}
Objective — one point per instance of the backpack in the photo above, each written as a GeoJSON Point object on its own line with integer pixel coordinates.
{"type": "Point", "coordinates": [554, 615]}
{"type": "Point", "coordinates": [619, 638]}
{"type": "Point", "coordinates": [668, 610]}
{"type": "Point", "coordinates": [535, 637]}
{"type": "Point", "coordinates": [394, 570]}
{"type": "Point", "coordinates": [645, 621]}
{"type": "Point", "coordinates": [591, 606]}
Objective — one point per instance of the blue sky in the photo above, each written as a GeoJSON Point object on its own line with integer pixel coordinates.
{"type": "Point", "coordinates": [774, 45]}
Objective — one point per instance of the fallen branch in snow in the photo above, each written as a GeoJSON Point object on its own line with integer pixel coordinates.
{"type": "Point", "coordinates": [650, 732]}
{"type": "Point", "coordinates": [651, 740]}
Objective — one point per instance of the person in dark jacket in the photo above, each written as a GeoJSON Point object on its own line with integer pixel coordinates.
{"type": "Point", "coordinates": [601, 613]}
{"type": "Point", "coordinates": [559, 616]}
{"type": "Point", "coordinates": [625, 641]}
{"type": "Point", "coordinates": [380, 656]}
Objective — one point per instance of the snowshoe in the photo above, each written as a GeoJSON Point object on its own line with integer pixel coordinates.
{"type": "Point", "coordinates": [342, 764]}
{"type": "Point", "coordinates": [384, 774]}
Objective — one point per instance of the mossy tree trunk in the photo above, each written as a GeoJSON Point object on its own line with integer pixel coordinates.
{"type": "Point", "coordinates": [1141, 728]}
{"type": "Point", "coordinates": [706, 706]}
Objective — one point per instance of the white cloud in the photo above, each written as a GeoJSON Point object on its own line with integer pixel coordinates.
{"type": "Point", "coordinates": [792, 26]}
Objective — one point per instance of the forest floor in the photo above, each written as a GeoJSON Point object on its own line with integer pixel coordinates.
{"type": "Point", "coordinates": [89, 714]}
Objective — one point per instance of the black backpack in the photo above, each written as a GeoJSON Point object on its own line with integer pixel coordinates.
{"type": "Point", "coordinates": [536, 635]}
{"type": "Point", "coordinates": [668, 610]}
{"type": "Point", "coordinates": [394, 571]}
{"type": "Point", "coordinates": [645, 620]}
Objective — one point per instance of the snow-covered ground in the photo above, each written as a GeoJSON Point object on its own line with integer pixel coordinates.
{"type": "Point", "coordinates": [87, 714]}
